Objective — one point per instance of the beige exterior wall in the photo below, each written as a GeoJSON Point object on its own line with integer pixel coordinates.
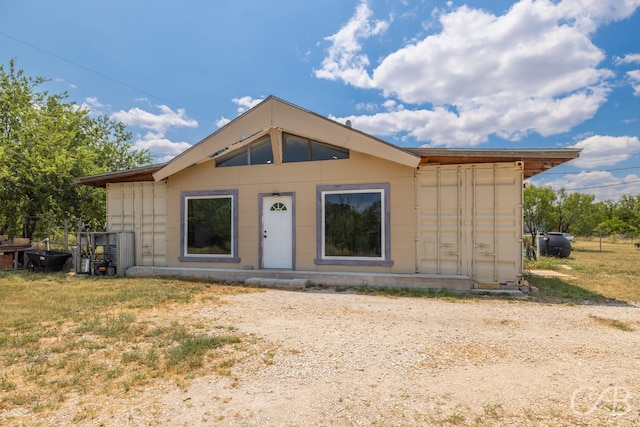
{"type": "Point", "coordinates": [301, 179]}
{"type": "Point", "coordinates": [470, 221]}
{"type": "Point", "coordinates": [140, 207]}
{"type": "Point", "coordinates": [467, 218]}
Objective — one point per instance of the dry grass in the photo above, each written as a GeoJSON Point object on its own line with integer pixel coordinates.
{"type": "Point", "coordinates": [63, 337]}
{"type": "Point", "coordinates": [613, 323]}
{"type": "Point", "coordinates": [607, 272]}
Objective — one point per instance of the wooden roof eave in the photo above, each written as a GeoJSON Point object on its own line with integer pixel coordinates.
{"type": "Point", "coordinates": [140, 174]}
{"type": "Point", "coordinates": [535, 160]}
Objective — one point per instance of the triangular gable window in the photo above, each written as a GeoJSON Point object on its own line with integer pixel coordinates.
{"type": "Point", "coordinates": [257, 153]}
{"type": "Point", "coordinates": [298, 149]}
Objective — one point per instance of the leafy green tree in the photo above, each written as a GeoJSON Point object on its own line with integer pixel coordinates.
{"type": "Point", "coordinates": [538, 208]}
{"type": "Point", "coordinates": [590, 216]}
{"type": "Point", "coordinates": [572, 211]}
{"type": "Point", "coordinates": [45, 142]}
{"type": "Point", "coordinates": [628, 210]}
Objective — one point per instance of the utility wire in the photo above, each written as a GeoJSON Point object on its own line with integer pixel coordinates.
{"type": "Point", "coordinates": [98, 73]}
{"type": "Point", "coordinates": [602, 170]}
{"type": "Point", "coordinates": [602, 186]}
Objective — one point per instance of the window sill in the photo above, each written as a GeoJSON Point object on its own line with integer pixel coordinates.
{"type": "Point", "coordinates": [378, 263]}
{"type": "Point", "coordinates": [209, 259]}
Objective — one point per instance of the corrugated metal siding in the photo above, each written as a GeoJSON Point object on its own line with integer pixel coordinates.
{"type": "Point", "coordinates": [141, 207]}
{"type": "Point", "coordinates": [470, 221]}
{"type": "Point", "coordinates": [126, 252]}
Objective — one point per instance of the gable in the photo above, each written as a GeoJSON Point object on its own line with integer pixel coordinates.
{"type": "Point", "coordinates": [275, 119]}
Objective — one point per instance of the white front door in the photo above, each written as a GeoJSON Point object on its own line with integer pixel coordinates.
{"type": "Point", "coordinates": [277, 232]}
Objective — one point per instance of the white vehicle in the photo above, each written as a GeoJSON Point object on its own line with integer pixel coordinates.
{"type": "Point", "coordinates": [568, 236]}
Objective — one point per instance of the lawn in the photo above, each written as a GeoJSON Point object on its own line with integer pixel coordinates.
{"type": "Point", "coordinates": [599, 272]}
{"type": "Point", "coordinates": [63, 337]}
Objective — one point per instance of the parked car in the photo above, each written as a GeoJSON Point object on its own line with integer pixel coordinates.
{"type": "Point", "coordinates": [568, 236]}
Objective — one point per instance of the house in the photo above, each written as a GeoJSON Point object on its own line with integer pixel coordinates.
{"type": "Point", "coordinates": [284, 194]}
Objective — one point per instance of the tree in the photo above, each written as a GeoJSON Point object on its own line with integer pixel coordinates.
{"type": "Point", "coordinates": [538, 208]}
{"type": "Point", "coordinates": [45, 142]}
{"type": "Point", "coordinates": [572, 211]}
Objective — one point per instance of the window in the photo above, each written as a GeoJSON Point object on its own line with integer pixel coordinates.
{"type": "Point", "coordinates": [257, 153]}
{"type": "Point", "coordinates": [209, 226]}
{"type": "Point", "coordinates": [353, 225]}
{"type": "Point", "coordinates": [297, 149]}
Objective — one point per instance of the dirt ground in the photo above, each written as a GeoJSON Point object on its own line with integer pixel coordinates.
{"type": "Point", "coordinates": [323, 358]}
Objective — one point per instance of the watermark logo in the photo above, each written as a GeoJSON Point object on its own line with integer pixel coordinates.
{"type": "Point", "coordinates": [616, 399]}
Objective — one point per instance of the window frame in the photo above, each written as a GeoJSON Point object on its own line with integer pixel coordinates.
{"type": "Point", "coordinates": [310, 144]}
{"type": "Point", "coordinates": [185, 196]}
{"type": "Point", "coordinates": [385, 219]}
{"type": "Point", "coordinates": [246, 152]}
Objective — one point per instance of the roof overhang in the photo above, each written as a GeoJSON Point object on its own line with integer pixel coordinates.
{"type": "Point", "coordinates": [535, 160]}
{"type": "Point", "coordinates": [141, 174]}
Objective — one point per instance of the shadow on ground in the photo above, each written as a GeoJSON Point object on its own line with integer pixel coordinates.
{"type": "Point", "coordinates": [556, 290]}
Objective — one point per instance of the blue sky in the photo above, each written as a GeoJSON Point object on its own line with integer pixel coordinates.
{"type": "Point", "coordinates": [463, 74]}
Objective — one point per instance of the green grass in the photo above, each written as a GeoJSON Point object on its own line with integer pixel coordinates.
{"type": "Point", "coordinates": [405, 292]}
{"type": "Point", "coordinates": [610, 275]}
{"type": "Point", "coordinates": [62, 335]}
{"type": "Point", "coordinates": [189, 353]}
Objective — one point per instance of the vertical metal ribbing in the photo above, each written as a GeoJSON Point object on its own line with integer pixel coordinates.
{"type": "Point", "coordinates": [495, 222]}
{"type": "Point", "coordinates": [438, 221]}
{"type": "Point", "coordinates": [460, 207]}
{"type": "Point", "coordinates": [473, 222]}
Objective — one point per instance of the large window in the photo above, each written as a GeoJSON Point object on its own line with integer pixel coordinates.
{"type": "Point", "coordinates": [209, 226]}
{"type": "Point", "coordinates": [298, 149]}
{"type": "Point", "coordinates": [257, 153]}
{"type": "Point", "coordinates": [354, 225]}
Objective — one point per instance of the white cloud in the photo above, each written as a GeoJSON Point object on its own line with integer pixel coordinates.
{"type": "Point", "coordinates": [92, 105]}
{"type": "Point", "coordinates": [345, 60]}
{"type": "Point", "coordinates": [93, 102]}
{"type": "Point", "coordinates": [634, 77]}
{"type": "Point", "coordinates": [603, 185]}
{"type": "Point", "coordinates": [366, 106]}
{"type": "Point", "coordinates": [155, 122]}
{"type": "Point", "coordinates": [631, 58]}
{"type": "Point", "coordinates": [157, 143]}
{"type": "Point", "coordinates": [533, 69]}
{"type": "Point", "coordinates": [222, 121]}
{"type": "Point", "coordinates": [246, 103]}
{"type": "Point", "coordinates": [601, 150]}
{"type": "Point", "coordinates": [162, 148]}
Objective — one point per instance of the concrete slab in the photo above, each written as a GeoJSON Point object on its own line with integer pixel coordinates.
{"type": "Point", "coordinates": [296, 279]}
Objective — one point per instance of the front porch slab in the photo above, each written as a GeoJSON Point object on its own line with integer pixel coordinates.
{"type": "Point", "coordinates": [296, 279]}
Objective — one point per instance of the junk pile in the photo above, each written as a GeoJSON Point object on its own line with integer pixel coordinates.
{"type": "Point", "coordinates": [20, 253]}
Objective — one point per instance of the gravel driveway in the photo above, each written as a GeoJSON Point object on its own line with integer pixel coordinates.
{"type": "Point", "coordinates": [341, 359]}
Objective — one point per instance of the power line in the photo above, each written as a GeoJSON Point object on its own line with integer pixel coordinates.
{"type": "Point", "coordinates": [602, 170]}
{"type": "Point", "coordinates": [98, 73]}
{"type": "Point", "coordinates": [602, 186]}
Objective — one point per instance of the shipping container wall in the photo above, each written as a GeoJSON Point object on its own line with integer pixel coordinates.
{"type": "Point", "coordinates": [141, 207]}
{"type": "Point", "coordinates": [470, 221]}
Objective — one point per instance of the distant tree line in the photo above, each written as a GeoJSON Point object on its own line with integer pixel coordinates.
{"type": "Point", "coordinates": [45, 142]}
{"type": "Point", "coordinates": [547, 209]}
